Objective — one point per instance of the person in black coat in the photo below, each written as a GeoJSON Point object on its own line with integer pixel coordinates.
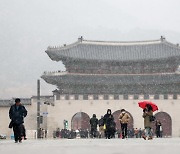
{"type": "Point", "coordinates": [94, 123]}
{"type": "Point", "coordinates": [17, 113]}
{"type": "Point", "coordinates": [158, 128]}
{"type": "Point", "coordinates": [109, 124]}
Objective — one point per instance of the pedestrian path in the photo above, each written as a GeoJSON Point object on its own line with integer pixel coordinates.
{"type": "Point", "coordinates": [92, 146]}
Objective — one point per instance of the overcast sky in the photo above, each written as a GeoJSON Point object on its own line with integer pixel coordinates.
{"type": "Point", "coordinates": [28, 27]}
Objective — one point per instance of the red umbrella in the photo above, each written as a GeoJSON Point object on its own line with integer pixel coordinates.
{"type": "Point", "coordinates": [144, 103]}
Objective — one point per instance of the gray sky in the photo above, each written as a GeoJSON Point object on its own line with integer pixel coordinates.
{"type": "Point", "coordinates": [28, 27]}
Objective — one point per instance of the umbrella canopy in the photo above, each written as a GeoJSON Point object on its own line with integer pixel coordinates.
{"type": "Point", "coordinates": [144, 103]}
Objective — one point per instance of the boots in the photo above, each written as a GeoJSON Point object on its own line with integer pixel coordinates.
{"type": "Point", "coordinates": [150, 138]}
{"type": "Point", "coordinates": [144, 137]}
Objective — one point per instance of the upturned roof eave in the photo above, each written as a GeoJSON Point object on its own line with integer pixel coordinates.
{"type": "Point", "coordinates": [58, 53]}
{"type": "Point", "coordinates": [114, 80]}
{"type": "Point", "coordinates": [65, 58]}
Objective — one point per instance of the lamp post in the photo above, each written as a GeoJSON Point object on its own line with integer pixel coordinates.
{"type": "Point", "coordinates": [38, 108]}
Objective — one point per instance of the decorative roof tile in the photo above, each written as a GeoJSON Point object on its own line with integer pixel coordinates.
{"type": "Point", "coordinates": [115, 51]}
{"type": "Point", "coordinates": [112, 79]}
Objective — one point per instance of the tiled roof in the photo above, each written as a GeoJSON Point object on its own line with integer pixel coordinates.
{"type": "Point", "coordinates": [105, 79]}
{"type": "Point", "coordinates": [115, 51]}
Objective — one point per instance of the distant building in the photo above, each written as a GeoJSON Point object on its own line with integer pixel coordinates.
{"type": "Point", "coordinates": [101, 75]}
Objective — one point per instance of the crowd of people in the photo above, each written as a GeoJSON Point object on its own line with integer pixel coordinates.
{"type": "Point", "coordinates": [85, 133]}
{"type": "Point", "coordinates": [106, 124]}
{"type": "Point", "coordinates": [105, 127]}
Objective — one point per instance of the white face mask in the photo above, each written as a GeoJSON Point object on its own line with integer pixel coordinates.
{"type": "Point", "coordinates": [123, 112]}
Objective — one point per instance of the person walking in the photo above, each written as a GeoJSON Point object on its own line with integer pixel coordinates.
{"type": "Point", "coordinates": [17, 112]}
{"type": "Point", "coordinates": [140, 133]}
{"type": "Point", "coordinates": [45, 132]}
{"type": "Point", "coordinates": [158, 128]}
{"type": "Point", "coordinates": [101, 127]}
{"type": "Point", "coordinates": [147, 113]}
{"type": "Point", "coordinates": [23, 132]}
{"type": "Point", "coordinates": [109, 124]}
{"type": "Point", "coordinates": [94, 123]}
{"type": "Point", "coordinates": [136, 133]}
{"type": "Point", "coordinates": [124, 118]}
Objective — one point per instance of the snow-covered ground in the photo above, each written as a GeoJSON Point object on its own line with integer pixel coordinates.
{"type": "Point", "coordinates": [92, 146]}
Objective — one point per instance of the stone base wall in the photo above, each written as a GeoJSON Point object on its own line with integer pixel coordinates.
{"type": "Point", "coordinates": [55, 112]}
{"type": "Point", "coordinates": [66, 109]}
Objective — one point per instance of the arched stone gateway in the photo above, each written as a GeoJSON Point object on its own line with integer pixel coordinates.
{"type": "Point", "coordinates": [118, 125]}
{"type": "Point", "coordinates": [166, 123]}
{"type": "Point", "coordinates": [80, 121]}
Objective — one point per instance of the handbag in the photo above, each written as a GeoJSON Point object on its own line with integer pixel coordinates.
{"type": "Point", "coordinates": [104, 127]}
{"type": "Point", "coordinates": [11, 124]}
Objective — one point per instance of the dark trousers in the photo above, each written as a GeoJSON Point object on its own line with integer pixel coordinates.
{"type": "Point", "coordinates": [93, 132]}
{"type": "Point", "coordinates": [109, 132]}
{"type": "Point", "coordinates": [17, 132]}
{"type": "Point", "coordinates": [158, 133]}
{"type": "Point", "coordinates": [124, 130]}
{"type": "Point", "coordinates": [23, 131]}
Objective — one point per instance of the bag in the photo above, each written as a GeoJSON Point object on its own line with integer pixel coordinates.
{"type": "Point", "coordinates": [152, 118]}
{"type": "Point", "coordinates": [11, 124]}
{"type": "Point", "coordinates": [104, 126]}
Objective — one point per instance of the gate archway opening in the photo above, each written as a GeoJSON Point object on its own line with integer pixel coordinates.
{"type": "Point", "coordinates": [166, 123]}
{"type": "Point", "coordinates": [80, 121]}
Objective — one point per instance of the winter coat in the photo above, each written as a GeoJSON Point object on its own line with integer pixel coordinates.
{"type": "Point", "coordinates": [101, 122]}
{"type": "Point", "coordinates": [124, 118]}
{"type": "Point", "coordinates": [108, 120]}
{"type": "Point", "coordinates": [94, 122]}
{"type": "Point", "coordinates": [158, 126]}
{"type": "Point", "coordinates": [17, 114]}
{"type": "Point", "coordinates": [146, 116]}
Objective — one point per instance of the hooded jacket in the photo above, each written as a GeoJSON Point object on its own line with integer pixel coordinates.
{"type": "Point", "coordinates": [108, 118]}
